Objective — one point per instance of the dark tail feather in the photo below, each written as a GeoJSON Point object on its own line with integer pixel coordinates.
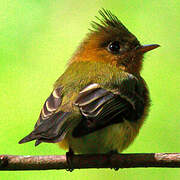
{"type": "Point", "coordinates": [50, 130]}
{"type": "Point", "coordinates": [38, 142]}
{"type": "Point", "coordinates": [28, 138]}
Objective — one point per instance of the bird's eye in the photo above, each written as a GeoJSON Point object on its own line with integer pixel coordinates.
{"type": "Point", "coordinates": [114, 47]}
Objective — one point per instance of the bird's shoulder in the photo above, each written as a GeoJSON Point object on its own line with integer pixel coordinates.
{"type": "Point", "coordinates": [79, 75]}
{"type": "Point", "coordinates": [111, 78]}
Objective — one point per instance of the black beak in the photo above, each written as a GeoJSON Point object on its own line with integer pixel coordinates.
{"type": "Point", "coordinates": [146, 48]}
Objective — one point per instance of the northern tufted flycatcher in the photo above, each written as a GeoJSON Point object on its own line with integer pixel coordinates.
{"type": "Point", "coordinates": [100, 102]}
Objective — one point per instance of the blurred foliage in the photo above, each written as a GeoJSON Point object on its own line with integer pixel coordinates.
{"type": "Point", "coordinates": [37, 37]}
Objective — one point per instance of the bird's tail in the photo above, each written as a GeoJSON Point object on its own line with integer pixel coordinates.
{"type": "Point", "coordinates": [50, 130]}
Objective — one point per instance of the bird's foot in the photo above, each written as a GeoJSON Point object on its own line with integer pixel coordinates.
{"type": "Point", "coordinates": [69, 155]}
{"type": "Point", "coordinates": [111, 153]}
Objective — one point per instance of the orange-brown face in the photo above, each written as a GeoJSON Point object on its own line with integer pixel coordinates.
{"type": "Point", "coordinates": [111, 42]}
{"type": "Point", "coordinates": [111, 47]}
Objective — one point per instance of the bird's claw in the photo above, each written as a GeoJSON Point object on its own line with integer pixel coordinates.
{"type": "Point", "coordinates": [111, 153]}
{"type": "Point", "coordinates": [69, 160]}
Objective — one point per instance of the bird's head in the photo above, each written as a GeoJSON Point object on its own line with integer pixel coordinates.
{"type": "Point", "coordinates": [110, 41]}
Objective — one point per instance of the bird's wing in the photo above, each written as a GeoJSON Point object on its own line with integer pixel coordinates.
{"type": "Point", "coordinates": [101, 107]}
{"type": "Point", "coordinates": [51, 125]}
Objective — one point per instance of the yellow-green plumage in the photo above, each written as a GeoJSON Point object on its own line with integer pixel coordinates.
{"type": "Point", "coordinates": [100, 102]}
{"type": "Point", "coordinates": [111, 138]}
{"type": "Point", "coordinates": [116, 137]}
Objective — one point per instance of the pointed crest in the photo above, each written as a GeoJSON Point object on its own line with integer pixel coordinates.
{"type": "Point", "coordinates": [108, 20]}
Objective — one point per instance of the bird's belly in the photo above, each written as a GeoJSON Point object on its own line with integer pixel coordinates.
{"type": "Point", "coordinates": [115, 137]}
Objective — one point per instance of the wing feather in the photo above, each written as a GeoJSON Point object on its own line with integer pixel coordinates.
{"type": "Point", "coordinates": [52, 125]}
{"type": "Point", "coordinates": [101, 107]}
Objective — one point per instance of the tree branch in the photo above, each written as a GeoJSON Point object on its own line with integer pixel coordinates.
{"type": "Point", "coordinates": [14, 162]}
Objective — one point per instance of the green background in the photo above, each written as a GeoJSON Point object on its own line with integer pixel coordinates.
{"type": "Point", "coordinates": [37, 37]}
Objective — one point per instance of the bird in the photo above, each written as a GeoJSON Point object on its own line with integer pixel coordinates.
{"type": "Point", "coordinates": [100, 102]}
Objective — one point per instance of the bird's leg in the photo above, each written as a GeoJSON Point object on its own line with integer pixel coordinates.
{"type": "Point", "coordinates": [111, 153]}
{"type": "Point", "coordinates": [69, 155]}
